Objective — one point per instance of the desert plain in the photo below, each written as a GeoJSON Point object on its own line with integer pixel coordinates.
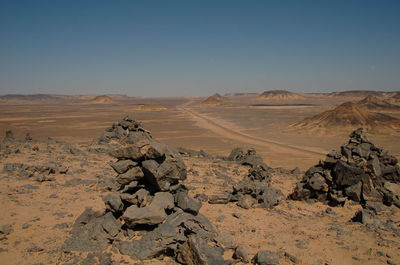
{"type": "Point", "coordinates": [37, 215]}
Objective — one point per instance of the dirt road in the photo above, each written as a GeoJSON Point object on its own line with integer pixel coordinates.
{"type": "Point", "coordinates": [232, 133]}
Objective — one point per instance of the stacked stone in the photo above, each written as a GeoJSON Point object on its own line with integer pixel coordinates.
{"type": "Point", "coordinates": [255, 189]}
{"type": "Point", "coordinates": [127, 130]}
{"type": "Point", "coordinates": [151, 199]}
{"type": "Point", "coordinates": [250, 157]}
{"type": "Point", "coordinates": [360, 171]}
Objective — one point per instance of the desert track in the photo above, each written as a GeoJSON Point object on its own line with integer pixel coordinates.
{"type": "Point", "coordinates": [231, 133]}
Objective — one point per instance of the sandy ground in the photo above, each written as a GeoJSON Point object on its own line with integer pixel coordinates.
{"type": "Point", "coordinates": [40, 214]}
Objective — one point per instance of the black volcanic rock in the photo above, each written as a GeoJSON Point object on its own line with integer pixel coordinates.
{"type": "Point", "coordinates": [126, 130]}
{"type": "Point", "coordinates": [360, 171]}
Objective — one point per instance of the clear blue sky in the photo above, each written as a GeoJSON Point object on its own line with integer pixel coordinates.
{"type": "Point", "coordinates": [169, 48]}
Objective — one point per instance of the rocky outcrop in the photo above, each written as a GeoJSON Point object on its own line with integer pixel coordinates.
{"type": "Point", "coordinates": [359, 171]}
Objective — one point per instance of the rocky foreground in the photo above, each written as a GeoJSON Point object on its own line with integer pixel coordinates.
{"type": "Point", "coordinates": [128, 199]}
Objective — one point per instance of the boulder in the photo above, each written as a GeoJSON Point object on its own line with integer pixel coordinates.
{"type": "Point", "coordinates": [122, 166]}
{"type": "Point", "coordinates": [134, 173]}
{"type": "Point", "coordinates": [148, 215]}
{"type": "Point", "coordinates": [265, 257]}
{"type": "Point", "coordinates": [113, 203]}
{"type": "Point", "coordinates": [92, 231]}
{"type": "Point", "coordinates": [242, 253]}
{"type": "Point", "coordinates": [129, 152]}
{"type": "Point", "coordinates": [271, 197]}
{"type": "Point", "coordinates": [346, 175]}
{"type": "Point", "coordinates": [354, 192]}
{"type": "Point", "coordinates": [246, 201]}
{"type": "Point", "coordinates": [365, 217]}
{"type": "Point", "coordinates": [187, 203]}
{"type": "Point", "coordinates": [196, 251]}
{"type": "Point", "coordinates": [222, 198]}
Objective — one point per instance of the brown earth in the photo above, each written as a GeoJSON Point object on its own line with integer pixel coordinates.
{"type": "Point", "coordinates": [41, 213]}
{"type": "Point", "coordinates": [151, 106]}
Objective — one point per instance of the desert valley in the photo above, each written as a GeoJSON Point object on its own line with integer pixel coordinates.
{"type": "Point", "coordinates": [271, 178]}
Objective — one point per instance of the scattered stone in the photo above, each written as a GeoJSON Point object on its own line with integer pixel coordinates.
{"type": "Point", "coordinates": [192, 153]}
{"type": "Point", "coordinates": [237, 215]}
{"type": "Point", "coordinates": [28, 137]}
{"type": "Point", "coordinates": [266, 257]}
{"type": "Point", "coordinates": [223, 198]}
{"type": "Point", "coordinates": [201, 197]}
{"type": "Point", "coordinates": [5, 230]}
{"type": "Point", "coordinates": [292, 258]}
{"type": "Point", "coordinates": [35, 249]}
{"type": "Point", "coordinates": [365, 217]}
{"type": "Point", "coordinates": [242, 253]}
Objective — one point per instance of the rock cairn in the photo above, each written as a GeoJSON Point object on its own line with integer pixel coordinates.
{"type": "Point", "coordinates": [126, 130]}
{"type": "Point", "coordinates": [152, 207]}
{"type": "Point", "coordinates": [359, 171]}
{"type": "Point", "coordinates": [250, 157]}
{"type": "Point", "coordinates": [255, 189]}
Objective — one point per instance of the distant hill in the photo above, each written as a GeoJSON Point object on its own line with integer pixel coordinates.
{"type": "Point", "coordinates": [395, 99]}
{"type": "Point", "coordinates": [54, 98]}
{"type": "Point", "coordinates": [213, 100]}
{"type": "Point", "coordinates": [102, 100]}
{"type": "Point", "coordinates": [346, 115]}
{"type": "Point", "coordinates": [280, 95]}
{"type": "Point", "coordinates": [356, 93]}
{"type": "Point", "coordinates": [34, 97]}
{"type": "Point", "coordinates": [240, 94]}
{"type": "Point", "coordinates": [376, 104]}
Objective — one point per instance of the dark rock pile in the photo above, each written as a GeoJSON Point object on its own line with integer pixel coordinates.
{"type": "Point", "coordinates": [250, 157]}
{"type": "Point", "coordinates": [255, 189]}
{"type": "Point", "coordinates": [37, 172]}
{"type": "Point", "coordinates": [360, 171]}
{"type": "Point", "coordinates": [192, 153]}
{"type": "Point", "coordinates": [151, 214]}
{"type": "Point", "coordinates": [126, 130]}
